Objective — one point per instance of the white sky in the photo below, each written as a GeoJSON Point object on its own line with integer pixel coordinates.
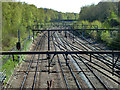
{"type": "Point", "coordinates": [62, 5]}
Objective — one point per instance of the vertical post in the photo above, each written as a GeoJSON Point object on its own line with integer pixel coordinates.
{"type": "Point", "coordinates": [82, 30]}
{"type": "Point", "coordinates": [48, 50]}
{"type": "Point", "coordinates": [48, 40]}
{"type": "Point", "coordinates": [19, 41]}
{"type": "Point", "coordinates": [33, 36]}
{"type": "Point", "coordinates": [18, 35]}
{"type": "Point", "coordinates": [66, 59]}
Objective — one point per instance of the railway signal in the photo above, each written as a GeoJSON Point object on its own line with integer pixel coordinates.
{"type": "Point", "coordinates": [18, 46]}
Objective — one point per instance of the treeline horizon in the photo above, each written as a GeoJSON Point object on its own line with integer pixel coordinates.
{"type": "Point", "coordinates": [19, 15]}
{"type": "Point", "coordinates": [107, 16]}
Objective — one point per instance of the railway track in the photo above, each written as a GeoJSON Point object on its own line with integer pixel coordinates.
{"type": "Point", "coordinates": [22, 74]}
{"type": "Point", "coordinates": [78, 68]}
{"type": "Point", "coordinates": [86, 63]}
{"type": "Point", "coordinates": [32, 67]}
{"type": "Point", "coordinates": [107, 58]}
{"type": "Point", "coordinates": [69, 77]}
{"type": "Point", "coordinates": [65, 71]}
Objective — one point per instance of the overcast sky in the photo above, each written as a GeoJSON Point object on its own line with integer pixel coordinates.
{"type": "Point", "coordinates": [62, 5]}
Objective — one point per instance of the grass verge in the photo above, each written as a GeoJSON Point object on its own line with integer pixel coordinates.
{"type": "Point", "coordinates": [10, 65]}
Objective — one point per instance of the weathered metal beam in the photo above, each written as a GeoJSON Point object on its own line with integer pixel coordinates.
{"type": "Point", "coordinates": [54, 71]}
{"type": "Point", "coordinates": [58, 52]}
{"type": "Point", "coordinates": [76, 29]}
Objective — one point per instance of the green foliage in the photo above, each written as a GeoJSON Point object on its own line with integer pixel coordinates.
{"type": "Point", "coordinates": [107, 16]}
{"type": "Point", "coordinates": [9, 67]}
{"type": "Point", "coordinates": [105, 36]}
{"type": "Point", "coordinates": [10, 64]}
{"type": "Point", "coordinates": [111, 39]}
{"type": "Point", "coordinates": [17, 15]}
{"type": "Point", "coordinates": [98, 12]}
{"type": "Point", "coordinates": [98, 23]}
{"type": "Point", "coordinates": [116, 41]}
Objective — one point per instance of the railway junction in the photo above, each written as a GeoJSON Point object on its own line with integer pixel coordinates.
{"type": "Point", "coordinates": [58, 58]}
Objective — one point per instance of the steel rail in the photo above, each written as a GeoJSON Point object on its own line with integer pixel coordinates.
{"type": "Point", "coordinates": [94, 74]}
{"type": "Point", "coordinates": [98, 66]}
{"type": "Point", "coordinates": [79, 65]}
{"type": "Point", "coordinates": [26, 74]}
{"type": "Point", "coordinates": [76, 81]}
{"type": "Point", "coordinates": [107, 64]}
{"type": "Point", "coordinates": [91, 62]}
{"type": "Point", "coordinates": [81, 56]}
{"type": "Point", "coordinates": [33, 86]}
{"type": "Point", "coordinates": [61, 66]}
{"type": "Point", "coordinates": [95, 56]}
{"type": "Point", "coordinates": [98, 70]}
{"type": "Point", "coordinates": [104, 62]}
{"type": "Point", "coordinates": [104, 74]}
{"type": "Point", "coordinates": [90, 42]}
{"type": "Point", "coordinates": [94, 47]}
{"type": "Point", "coordinates": [91, 71]}
{"type": "Point", "coordinates": [98, 58]}
{"type": "Point", "coordinates": [84, 73]}
{"type": "Point", "coordinates": [102, 57]}
{"type": "Point", "coordinates": [42, 60]}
